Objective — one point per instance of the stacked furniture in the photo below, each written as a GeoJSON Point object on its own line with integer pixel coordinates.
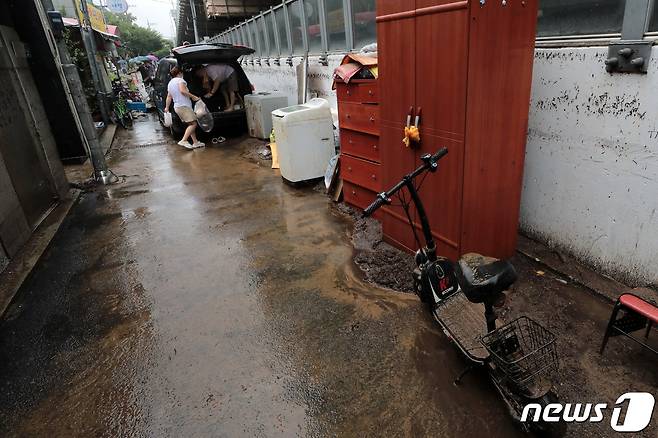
{"type": "Point", "coordinates": [468, 66]}
{"type": "Point", "coordinates": [360, 161]}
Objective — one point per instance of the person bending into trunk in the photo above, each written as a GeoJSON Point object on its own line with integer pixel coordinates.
{"type": "Point", "coordinates": [222, 78]}
{"type": "Point", "coordinates": [178, 93]}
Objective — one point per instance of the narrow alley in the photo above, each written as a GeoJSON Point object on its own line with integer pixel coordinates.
{"type": "Point", "coordinates": [202, 296]}
{"type": "Point", "coordinates": [328, 218]}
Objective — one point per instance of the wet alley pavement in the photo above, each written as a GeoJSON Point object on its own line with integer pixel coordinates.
{"type": "Point", "coordinates": [201, 296]}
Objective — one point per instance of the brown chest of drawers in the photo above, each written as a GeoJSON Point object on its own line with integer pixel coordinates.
{"type": "Point", "coordinates": [360, 165]}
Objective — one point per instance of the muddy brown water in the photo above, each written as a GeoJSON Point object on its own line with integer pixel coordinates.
{"type": "Point", "coordinates": [203, 297]}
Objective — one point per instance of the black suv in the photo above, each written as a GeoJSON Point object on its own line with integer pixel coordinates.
{"type": "Point", "coordinates": [189, 58]}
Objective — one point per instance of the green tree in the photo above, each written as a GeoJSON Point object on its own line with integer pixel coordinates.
{"type": "Point", "coordinates": [166, 50]}
{"type": "Point", "coordinates": [135, 39]}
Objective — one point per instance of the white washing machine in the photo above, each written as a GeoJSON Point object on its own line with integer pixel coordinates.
{"type": "Point", "coordinates": [259, 107]}
{"type": "Point", "coordinates": [304, 139]}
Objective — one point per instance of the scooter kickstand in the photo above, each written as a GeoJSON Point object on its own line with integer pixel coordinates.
{"type": "Point", "coordinates": [468, 369]}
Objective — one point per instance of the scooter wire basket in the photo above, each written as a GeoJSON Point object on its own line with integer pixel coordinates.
{"type": "Point", "coordinates": [524, 352]}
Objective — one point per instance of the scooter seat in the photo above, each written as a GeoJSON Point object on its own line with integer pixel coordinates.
{"type": "Point", "coordinates": [483, 279]}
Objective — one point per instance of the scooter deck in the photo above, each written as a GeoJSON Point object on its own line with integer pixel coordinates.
{"type": "Point", "coordinates": [465, 322]}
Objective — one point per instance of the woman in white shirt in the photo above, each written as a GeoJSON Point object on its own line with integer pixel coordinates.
{"type": "Point", "coordinates": [178, 93]}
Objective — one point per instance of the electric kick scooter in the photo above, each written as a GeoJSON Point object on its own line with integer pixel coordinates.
{"type": "Point", "coordinates": [519, 356]}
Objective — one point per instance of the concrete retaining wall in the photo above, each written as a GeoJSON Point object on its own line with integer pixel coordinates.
{"type": "Point", "coordinates": [283, 78]}
{"type": "Point", "coordinates": [591, 175]}
{"type": "Point", "coordinates": [591, 170]}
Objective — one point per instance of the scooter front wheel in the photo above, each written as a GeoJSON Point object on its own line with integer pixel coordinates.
{"type": "Point", "coordinates": [516, 403]}
{"type": "Point", "coordinates": [544, 428]}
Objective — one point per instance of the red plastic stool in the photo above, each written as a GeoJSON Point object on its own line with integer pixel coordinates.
{"type": "Point", "coordinates": [638, 314]}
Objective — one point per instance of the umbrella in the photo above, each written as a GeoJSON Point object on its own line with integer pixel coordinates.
{"type": "Point", "coordinates": [139, 59]}
{"type": "Point", "coordinates": [152, 58]}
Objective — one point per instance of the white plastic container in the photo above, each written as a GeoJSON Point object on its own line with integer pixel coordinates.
{"type": "Point", "coordinates": [305, 139]}
{"type": "Point", "coordinates": [259, 107]}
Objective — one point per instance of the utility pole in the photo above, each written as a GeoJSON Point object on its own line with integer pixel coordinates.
{"type": "Point", "coordinates": [196, 30]}
{"type": "Point", "coordinates": [95, 151]}
{"type": "Point", "coordinates": [89, 41]}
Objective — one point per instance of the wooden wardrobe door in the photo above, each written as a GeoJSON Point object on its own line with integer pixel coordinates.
{"type": "Point", "coordinates": [501, 53]}
{"type": "Point", "coordinates": [441, 78]}
{"type": "Point", "coordinates": [397, 90]}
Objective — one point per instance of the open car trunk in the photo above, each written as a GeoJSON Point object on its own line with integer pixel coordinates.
{"type": "Point", "coordinates": [194, 55]}
{"type": "Point", "coordinates": [206, 53]}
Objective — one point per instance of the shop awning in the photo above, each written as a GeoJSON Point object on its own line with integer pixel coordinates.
{"type": "Point", "coordinates": [73, 22]}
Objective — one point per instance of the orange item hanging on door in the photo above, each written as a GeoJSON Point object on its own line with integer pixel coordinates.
{"type": "Point", "coordinates": [411, 134]}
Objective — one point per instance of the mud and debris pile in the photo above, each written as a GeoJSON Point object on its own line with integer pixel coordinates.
{"type": "Point", "coordinates": [256, 150]}
{"type": "Point", "coordinates": [381, 263]}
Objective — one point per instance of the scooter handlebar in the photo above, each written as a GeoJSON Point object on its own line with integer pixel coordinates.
{"type": "Point", "coordinates": [384, 198]}
{"type": "Point", "coordinates": [440, 154]}
{"type": "Point", "coordinates": [379, 201]}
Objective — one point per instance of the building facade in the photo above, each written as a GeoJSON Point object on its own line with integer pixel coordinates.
{"type": "Point", "coordinates": [212, 16]}
{"type": "Point", "coordinates": [32, 180]}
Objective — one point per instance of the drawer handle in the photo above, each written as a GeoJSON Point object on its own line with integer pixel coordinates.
{"type": "Point", "coordinates": [348, 116]}
{"type": "Point", "coordinates": [349, 168]}
{"type": "Point", "coordinates": [372, 119]}
{"type": "Point", "coordinates": [350, 141]}
{"type": "Point", "coordinates": [354, 192]}
{"type": "Point", "coordinates": [373, 177]}
{"type": "Point", "coordinates": [374, 147]}
{"type": "Point", "coordinates": [349, 92]}
{"type": "Point", "coordinates": [370, 92]}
